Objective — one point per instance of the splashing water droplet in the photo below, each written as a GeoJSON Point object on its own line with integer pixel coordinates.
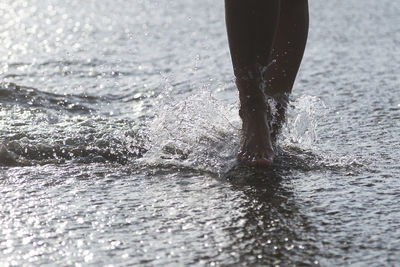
{"type": "Point", "coordinates": [199, 132]}
{"type": "Point", "coordinates": [300, 129]}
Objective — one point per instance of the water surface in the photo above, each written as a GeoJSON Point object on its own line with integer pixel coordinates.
{"type": "Point", "coordinates": [119, 129]}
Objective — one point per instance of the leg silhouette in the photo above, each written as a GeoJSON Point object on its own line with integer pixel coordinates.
{"type": "Point", "coordinates": [287, 53]}
{"type": "Point", "coordinates": [266, 48]}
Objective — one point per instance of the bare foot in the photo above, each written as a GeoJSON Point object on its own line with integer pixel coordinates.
{"type": "Point", "coordinates": [256, 149]}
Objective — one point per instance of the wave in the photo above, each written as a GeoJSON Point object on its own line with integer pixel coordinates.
{"type": "Point", "coordinates": [11, 93]}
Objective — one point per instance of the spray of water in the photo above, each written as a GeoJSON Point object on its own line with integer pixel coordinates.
{"type": "Point", "coordinates": [198, 132]}
{"type": "Point", "coordinates": [301, 125]}
{"type": "Point", "coordinates": [203, 133]}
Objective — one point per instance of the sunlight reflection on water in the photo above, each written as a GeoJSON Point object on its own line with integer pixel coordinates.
{"type": "Point", "coordinates": [119, 128]}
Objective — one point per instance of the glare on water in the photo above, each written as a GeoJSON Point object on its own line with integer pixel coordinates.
{"type": "Point", "coordinates": [119, 130]}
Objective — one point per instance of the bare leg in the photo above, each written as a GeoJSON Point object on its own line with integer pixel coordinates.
{"type": "Point", "coordinates": [252, 26]}
{"type": "Point", "coordinates": [287, 54]}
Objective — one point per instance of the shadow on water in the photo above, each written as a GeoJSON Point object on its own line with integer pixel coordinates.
{"type": "Point", "coordinates": [272, 229]}
{"type": "Point", "coordinates": [261, 221]}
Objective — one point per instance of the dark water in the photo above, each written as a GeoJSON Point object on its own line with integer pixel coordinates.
{"type": "Point", "coordinates": [119, 128]}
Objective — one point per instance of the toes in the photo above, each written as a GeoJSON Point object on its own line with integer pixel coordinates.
{"type": "Point", "coordinates": [265, 162]}
{"type": "Point", "coordinates": [267, 159]}
{"type": "Point", "coordinates": [261, 160]}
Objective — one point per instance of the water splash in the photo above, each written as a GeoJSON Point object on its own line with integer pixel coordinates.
{"type": "Point", "coordinates": [299, 137]}
{"type": "Point", "coordinates": [198, 132]}
{"type": "Point", "coordinates": [301, 125]}
{"type": "Point", "coordinates": [203, 133]}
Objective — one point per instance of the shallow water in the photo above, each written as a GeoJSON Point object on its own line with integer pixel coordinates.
{"type": "Point", "coordinates": [119, 128]}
